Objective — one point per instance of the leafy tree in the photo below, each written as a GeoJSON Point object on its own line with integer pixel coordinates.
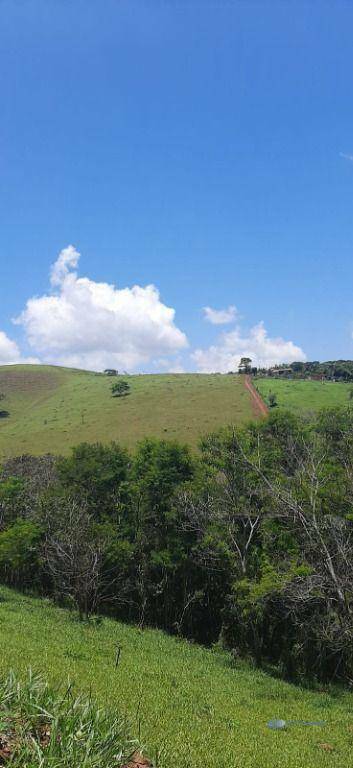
{"type": "Point", "coordinates": [297, 367]}
{"type": "Point", "coordinates": [158, 469]}
{"type": "Point", "coordinates": [297, 623]}
{"type": "Point", "coordinates": [11, 494]}
{"type": "Point", "coordinates": [245, 365]}
{"type": "Point", "coordinates": [96, 473]}
{"type": "Point", "coordinates": [20, 553]}
{"type": "Point", "coordinates": [120, 388]}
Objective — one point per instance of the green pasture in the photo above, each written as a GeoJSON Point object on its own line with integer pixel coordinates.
{"type": "Point", "coordinates": [190, 706]}
{"type": "Point", "coordinates": [51, 409]}
{"type": "Point", "coordinates": [302, 396]}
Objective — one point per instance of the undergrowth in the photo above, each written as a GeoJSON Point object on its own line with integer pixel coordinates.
{"type": "Point", "coordinates": [42, 726]}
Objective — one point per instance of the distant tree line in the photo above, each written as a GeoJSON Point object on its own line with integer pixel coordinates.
{"type": "Point", "coordinates": [332, 369]}
{"type": "Point", "coordinates": [249, 543]}
{"type": "Point", "coordinates": [337, 370]}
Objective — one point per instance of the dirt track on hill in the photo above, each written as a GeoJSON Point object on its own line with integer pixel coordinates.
{"type": "Point", "coordinates": [259, 407]}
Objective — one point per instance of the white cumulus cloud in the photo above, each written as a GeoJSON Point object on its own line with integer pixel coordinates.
{"type": "Point", "coordinates": [67, 260]}
{"type": "Point", "coordinates": [220, 316]}
{"type": "Point", "coordinates": [94, 325]}
{"type": "Point", "coordinates": [10, 352]}
{"type": "Point", "coordinates": [256, 344]}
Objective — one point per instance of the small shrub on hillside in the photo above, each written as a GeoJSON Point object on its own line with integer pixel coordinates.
{"type": "Point", "coordinates": [41, 726]}
{"type": "Point", "coordinates": [272, 400]}
{"type": "Point", "coordinates": [120, 388]}
{"type": "Point", "coordinates": [3, 414]}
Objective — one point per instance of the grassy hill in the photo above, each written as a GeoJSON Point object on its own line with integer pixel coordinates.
{"type": "Point", "coordinates": [305, 396]}
{"type": "Point", "coordinates": [190, 705]}
{"type": "Point", "coordinates": [50, 408]}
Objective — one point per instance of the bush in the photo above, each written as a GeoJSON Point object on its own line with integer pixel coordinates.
{"type": "Point", "coordinates": [120, 388]}
{"type": "Point", "coordinates": [272, 400]}
{"type": "Point", "coordinates": [42, 726]}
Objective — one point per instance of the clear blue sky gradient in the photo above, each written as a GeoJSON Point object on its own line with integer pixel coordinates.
{"type": "Point", "coordinates": [195, 145]}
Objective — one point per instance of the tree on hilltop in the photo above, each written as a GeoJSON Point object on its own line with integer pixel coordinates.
{"type": "Point", "coordinates": [245, 365]}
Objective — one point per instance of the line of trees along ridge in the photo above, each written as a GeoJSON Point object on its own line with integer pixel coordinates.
{"type": "Point", "coordinates": [331, 370]}
{"type": "Point", "coordinates": [249, 543]}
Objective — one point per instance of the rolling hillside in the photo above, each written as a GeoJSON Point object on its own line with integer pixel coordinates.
{"type": "Point", "coordinates": [51, 409]}
{"type": "Point", "coordinates": [190, 706]}
{"type": "Point", "coordinates": [302, 396]}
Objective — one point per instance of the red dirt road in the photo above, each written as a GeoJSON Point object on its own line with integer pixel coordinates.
{"type": "Point", "coordinates": [259, 407]}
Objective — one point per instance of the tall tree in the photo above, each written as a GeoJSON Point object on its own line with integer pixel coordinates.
{"type": "Point", "coordinates": [245, 365]}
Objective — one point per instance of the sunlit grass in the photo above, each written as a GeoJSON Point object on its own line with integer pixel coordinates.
{"type": "Point", "coordinates": [58, 728]}
{"type": "Point", "coordinates": [305, 396]}
{"type": "Point", "coordinates": [51, 409]}
{"type": "Point", "coordinates": [191, 707]}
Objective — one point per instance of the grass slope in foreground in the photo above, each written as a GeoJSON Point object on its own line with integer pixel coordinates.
{"type": "Point", "coordinates": [58, 728]}
{"type": "Point", "coordinates": [190, 705]}
{"type": "Point", "coordinates": [51, 409]}
{"type": "Point", "coordinates": [305, 396]}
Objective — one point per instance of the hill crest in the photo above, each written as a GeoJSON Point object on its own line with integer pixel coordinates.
{"type": "Point", "coordinates": [50, 408]}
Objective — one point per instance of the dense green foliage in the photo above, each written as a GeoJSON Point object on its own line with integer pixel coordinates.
{"type": "Point", "coordinates": [191, 706]}
{"type": "Point", "coordinates": [332, 369]}
{"type": "Point", "coordinates": [250, 543]}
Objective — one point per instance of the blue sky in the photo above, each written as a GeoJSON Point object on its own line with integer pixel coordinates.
{"type": "Point", "coordinates": [202, 147]}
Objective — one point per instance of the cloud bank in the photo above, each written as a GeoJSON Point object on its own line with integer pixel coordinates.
{"type": "Point", "coordinates": [256, 344]}
{"type": "Point", "coordinates": [86, 324]}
